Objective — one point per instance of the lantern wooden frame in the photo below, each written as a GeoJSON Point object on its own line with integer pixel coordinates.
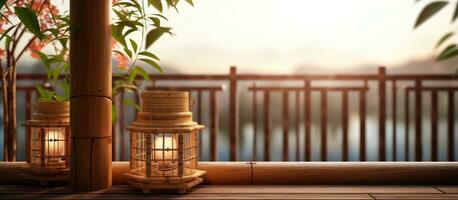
{"type": "Point", "coordinates": [49, 143]}
{"type": "Point", "coordinates": [164, 144]}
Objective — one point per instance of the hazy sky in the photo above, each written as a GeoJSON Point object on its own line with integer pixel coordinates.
{"type": "Point", "coordinates": [277, 36]}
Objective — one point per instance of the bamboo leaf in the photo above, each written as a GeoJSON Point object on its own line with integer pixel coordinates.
{"type": "Point", "coordinates": [190, 2]}
{"type": "Point", "coordinates": [149, 54]}
{"type": "Point", "coordinates": [2, 3]}
{"type": "Point", "coordinates": [134, 45]}
{"type": "Point", "coordinates": [154, 35]}
{"type": "Point", "coordinates": [152, 64]}
{"type": "Point", "coordinates": [156, 3]}
{"type": "Point", "coordinates": [444, 38]}
{"type": "Point", "coordinates": [429, 11]}
{"type": "Point", "coordinates": [28, 17]}
{"type": "Point", "coordinates": [114, 114]}
{"type": "Point", "coordinates": [131, 103]}
{"type": "Point", "coordinates": [449, 52]}
{"type": "Point", "coordinates": [455, 13]}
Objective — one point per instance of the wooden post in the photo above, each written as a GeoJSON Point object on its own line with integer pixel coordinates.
{"type": "Point", "coordinates": [451, 125]}
{"type": "Point", "coordinates": [255, 122]}
{"type": "Point", "coordinates": [345, 125]}
{"type": "Point", "coordinates": [362, 124]}
{"type": "Point", "coordinates": [214, 125]}
{"type": "Point", "coordinates": [418, 118]}
{"type": "Point", "coordinates": [434, 116]}
{"type": "Point", "coordinates": [267, 126]}
{"type": "Point", "coordinates": [324, 125]}
{"type": "Point", "coordinates": [285, 123]}
{"type": "Point", "coordinates": [233, 115]}
{"type": "Point", "coordinates": [382, 112]}
{"type": "Point", "coordinates": [395, 117]}
{"type": "Point", "coordinates": [91, 98]}
{"type": "Point", "coordinates": [28, 130]}
{"type": "Point", "coordinates": [407, 123]}
{"type": "Point", "coordinates": [297, 125]}
{"type": "Point", "coordinates": [307, 120]}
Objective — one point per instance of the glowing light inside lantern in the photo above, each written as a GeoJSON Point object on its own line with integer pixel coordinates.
{"type": "Point", "coordinates": [165, 151]}
{"type": "Point", "coordinates": [55, 145]}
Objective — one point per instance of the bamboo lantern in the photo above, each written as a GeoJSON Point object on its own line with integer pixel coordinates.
{"type": "Point", "coordinates": [49, 145]}
{"type": "Point", "coordinates": [164, 144]}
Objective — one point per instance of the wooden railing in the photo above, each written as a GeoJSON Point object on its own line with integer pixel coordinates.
{"type": "Point", "coordinates": [305, 86]}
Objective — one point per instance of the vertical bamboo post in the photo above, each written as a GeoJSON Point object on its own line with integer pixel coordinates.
{"type": "Point", "coordinates": [382, 112]}
{"type": "Point", "coordinates": [91, 98]}
{"type": "Point", "coordinates": [285, 104]}
{"type": "Point", "coordinates": [297, 125]}
{"type": "Point", "coordinates": [233, 114]}
{"type": "Point", "coordinates": [28, 130]}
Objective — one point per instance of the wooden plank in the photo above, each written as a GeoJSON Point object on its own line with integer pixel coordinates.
{"type": "Point", "coordinates": [255, 122]}
{"type": "Point", "coordinates": [407, 124]}
{"type": "Point", "coordinates": [345, 126]}
{"type": "Point", "coordinates": [324, 124]}
{"type": "Point", "coordinates": [297, 125]}
{"type": "Point", "coordinates": [233, 115]}
{"type": "Point", "coordinates": [451, 126]}
{"type": "Point", "coordinates": [267, 126]}
{"type": "Point", "coordinates": [448, 188]}
{"type": "Point", "coordinates": [382, 113]}
{"type": "Point", "coordinates": [434, 116]}
{"type": "Point", "coordinates": [418, 124]}
{"type": "Point", "coordinates": [285, 125]}
{"type": "Point", "coordinates": [214, 125]}
{"type": "Point", "coordinates": [199, 118]}
{"type": "Point", "coordinates": [334, 89]}
{"type": "Point", "coordinates": [394, 117]}
{"type": "Point", "coordinates": [362, 125]}
{"type": "Point", "coordinates": [307, 120]}
{"type": "Point", "coordinates": [122, 128]}
{"type": "Point", "coordinates": [414, 196]}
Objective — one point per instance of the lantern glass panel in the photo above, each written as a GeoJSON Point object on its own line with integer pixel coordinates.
{"type": "Point", "coordinates": [49, 146]}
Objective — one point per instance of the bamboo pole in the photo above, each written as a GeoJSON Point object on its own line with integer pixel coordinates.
{"type": "Point", "coordinates": [91, 99]}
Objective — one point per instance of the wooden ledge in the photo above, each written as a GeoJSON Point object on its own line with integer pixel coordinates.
{"type": "Point", "coordinates": [293, 173]}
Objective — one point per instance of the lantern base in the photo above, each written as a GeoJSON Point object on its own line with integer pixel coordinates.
{"type": "Point", "coordinates": [44, 176]}
{"type": "Point", "coordinates": [161, 184]}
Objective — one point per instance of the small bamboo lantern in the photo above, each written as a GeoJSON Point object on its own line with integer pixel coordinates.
{"type": "Point", "coordinates": [164, 144]}
{"type": "Point", "coordinates": [49, 145]}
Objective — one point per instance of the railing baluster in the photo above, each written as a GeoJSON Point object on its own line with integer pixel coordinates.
{"type": "Point", "coordinates": [28, 130]}
{"type": "Point", "coordinates": [407, 124]}
{"type": "Point", "coordinates": [214, 125]}
{"type": "Point", "coordinates": [324, 123]}
{"type": "Point", "coordinates": [345, 125]}
{"type": "Point", "coordinates": [395, 118]}
{"type": "Point", "coordinates": [255, 122]}
{"type": "Point", "coordinates": [233, 115]}
{"type": "Point", "coordinates": [451, 125]}
{"type": "Point", "coordinates": [199, 115]}
{"type": "Point", "coordinates": [382, 113]}
{"type": "Point", "coordinates": [267, 126]}
{"type": "Point", "coordinates": [307, 120]}
{"type": "Point", "coordinates": [285, 123]}
{"type": "Point", "coordinates": [418, 118]}
{"type": "Point", "coordinates": [434, 116]}
{"type": "Point", "coordinates": [362, 124]}
{"type": "Point", "coordinates": [121, 127]}
{"type": "Point", "coordinates": [297, 118]}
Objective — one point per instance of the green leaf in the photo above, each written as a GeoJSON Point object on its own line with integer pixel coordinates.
{"type": "Point", "coordinates": [154, 35]}
{"type": "Point", "coordinates": [5, 34]}
{"type": "Point", "coordinates": [128, 52]}
{"type": "Point", "coordinates": [449, 52]}
{"type": "Point", "coordinates": [2, 3]}
{"type": "Point", "coordinates": [190, 2]}
{"type": "Point", "coordinates": [156, 3]}
{"type": "Point", "coordinates": [444, 38]}
{"type": "Point", "coordinates": [28, 17]}
{"type": "Point", "coordinates": [429, 11]}
{"type": "Point", "coordinates": [66, 89]}
{"type": "Point", "coordinates": [134, 45]}
{"type": "Point", "coordinates": [153, 64]}
{"type": "Point", "coordinates": [44, 94]}
{"type": "Point", "coordinates": [455, 13]}
{"type": "Point", "coordinates": [148, 54]}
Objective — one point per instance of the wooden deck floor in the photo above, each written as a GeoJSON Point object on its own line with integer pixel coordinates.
{"type": "Point", "coordinates": [240, 192]}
